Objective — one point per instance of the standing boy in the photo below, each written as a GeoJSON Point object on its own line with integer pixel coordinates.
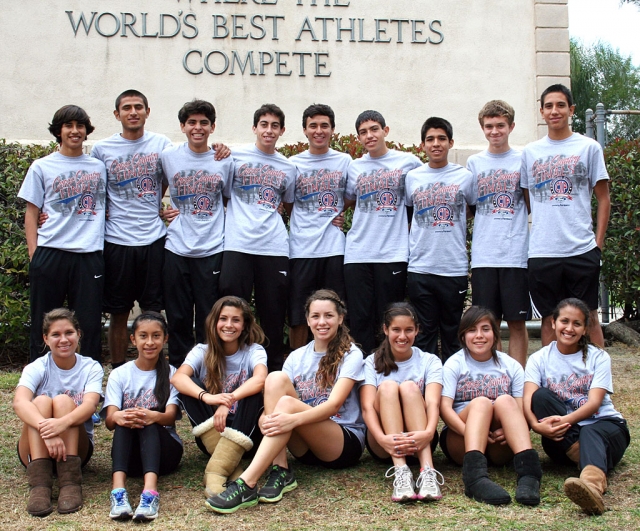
{"type": "Point", "coordinates": [562, 171]}
{"type": "Point", "coordinates": [195, 238]}
{"type": "Point", "coordinates": [134, 233]}
{"type": "Point", "coordinates": [66, 251]}
{"type": "Point", "coordinates": [256, 244]}
{"type": "Point", "coordinates": [377, 247]}
{"type": "Point", "coordinates": [438, 266]}
{"type": "Point", "coordinates": [501, 229]}
{"type": "Point", "coordinates": [316, 245]}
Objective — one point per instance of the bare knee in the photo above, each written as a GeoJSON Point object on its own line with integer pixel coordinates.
{"type": "Point", "coordinates": [410, 391]}
{"type": "Point", "coordinates": [481, 404]}
{"type": "Point", "coordinates": [44, 404]}
{"type": "Point", "coordinates": [275, 382]}
{"type": "Point", "coordinates": [388, 390]}
{"type": "Point", "coordinates": [286, 404]}
{"type": "Point", "coordinates": [62, 405]}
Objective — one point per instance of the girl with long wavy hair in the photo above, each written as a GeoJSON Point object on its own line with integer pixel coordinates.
{"type": "Point", "coordinates": [221, 385]}
{"type": "Point", "coordinates": [311, 407]}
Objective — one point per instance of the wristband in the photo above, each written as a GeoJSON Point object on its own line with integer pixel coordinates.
{"type": "Point", "coordinates": [202, 393]}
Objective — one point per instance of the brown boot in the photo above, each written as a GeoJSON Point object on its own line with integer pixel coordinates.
{"type": "Point", "coordinates": [587, 491]}
{"type": "Point", "coordinates": [225, 459]}
{"type": "Point", "coordinates": [70, 484]}
{"type": "Point", "coordinates": [40, 474]}
{"type": "Point", "coordinates": [210, 437]}
{"type": "Point", "coordinates": [573, 452]}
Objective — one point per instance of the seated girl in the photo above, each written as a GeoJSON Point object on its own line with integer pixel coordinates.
{"type": "Point", "coordinates": [55, 398]}
{"type": "Point", "coordinates": [311, 407]}
{"type": "Point", "coordinates": [142, 407]}
{"type": "Point", "coordinates": [482, 409]}
{"type": "Point", "coordinates": [567, 400]}
{"type": "Point", "coordinates": [221, 385]}
{"type": "Point", "coordinates": [401, 405]}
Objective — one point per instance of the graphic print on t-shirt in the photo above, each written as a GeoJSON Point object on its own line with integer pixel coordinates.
{"type": "Point", "coordinates": [438, 206]}
{"type": "Point", "coordinates": [136, 176]}
{"type": "Point", "coordinates": [379, 190]}
{"type": "Point", "coordinates": [573, 390]}
{"type": "Point", "coordinates": [557, 178]}
{"type": "Point", "coordinates": [320, 191]}
{"type": "Point", "coordinates": [198, 193]}
{"type": "Point", "coordinates": [232, 382]}
{"type": "Point", "coordinates": [78, 192]}
{"type": "Point", "coordinates": [498, 193]}
{"type": "Point", "coordinates": [484, 385]}
{"type": "Point", "coordinates": [260, 184]}
{"type": "Point", "coordinates": [144, 399]}
{"type": "Point", "coordinates": [310, 393]}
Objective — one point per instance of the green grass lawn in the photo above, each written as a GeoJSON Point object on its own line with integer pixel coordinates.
{"type": "Point", "coordinates": [358, 498]}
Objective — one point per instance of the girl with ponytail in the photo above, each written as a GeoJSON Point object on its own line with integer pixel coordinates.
{"type": "Point", "coordinates": [401, 405]}
{"type": "Point", "coordinates": [311, 407]}
{"type": "Point", "coordinates": [141, 407]}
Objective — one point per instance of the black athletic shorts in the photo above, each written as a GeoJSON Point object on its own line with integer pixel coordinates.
{"type": "Point", "coordinates": [307, 275]}
{"type": "Point", "coordinates": [351, 453]}
{"type": "Point", "coordinates": [554, 279]}
{"type": "Point", "coordinates": [504, 290]}
{"type": "Point", "coordinates": [133, 274]}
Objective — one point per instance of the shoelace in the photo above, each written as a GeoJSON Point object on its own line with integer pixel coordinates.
{"type": "Point", "coordinates": [430, 477]}
{"type": "Point", "coordinates": [274, 477]}
{"type": "Point", "coordinates": [402, 476]}
{"type": "Point", "coordinates": [121, 499]}
{"type": "Point", "coordinates": [146, 500]}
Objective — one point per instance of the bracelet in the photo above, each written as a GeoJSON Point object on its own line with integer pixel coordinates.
{"type": "Point", "coordinates": [201, 395]}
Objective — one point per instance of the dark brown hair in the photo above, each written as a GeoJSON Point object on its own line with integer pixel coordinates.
{"type": "Point", "coordinates": [583, 343]}
{"type": "Point", "coordinates": [384, 362]}
{"type": "Point", "coordinates": [472, 317]}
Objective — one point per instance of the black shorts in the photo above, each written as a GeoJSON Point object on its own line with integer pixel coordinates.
{"type": "Point", "coordinates": [411, 459]}
{"type": "Point", "coordinates": [351, 453]}
{"type": "Point", "coordinates": [445, 451]}
{"type": "Point", "coordinates": [504, 290]}
{"type": "Point", "coordinates": [307, 275]}
{"type": "Point", "coordinates": [554, 279]}
{"type": "Point", "coordinates": [133, 274]}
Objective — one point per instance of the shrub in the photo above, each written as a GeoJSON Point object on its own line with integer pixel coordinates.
{"type": "Point", "coordinates": [621, 257]}
{"type": "Point", "coordinates": [15, 160]}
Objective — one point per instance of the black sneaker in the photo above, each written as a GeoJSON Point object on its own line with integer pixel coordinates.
{"type": "Point", "coordinates": [280, 481]}
{"type": "Point", "coordinates": [237, 496]}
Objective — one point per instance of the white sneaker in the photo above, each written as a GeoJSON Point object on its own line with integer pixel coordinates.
{"type": "Point", "coordinates": [428, 484]}
{"type": "Point", "coordinates": [403, 485]}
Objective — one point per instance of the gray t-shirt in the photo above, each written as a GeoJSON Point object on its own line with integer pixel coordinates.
{"type": "Point", "coordinates": [571, 378]}
{"type": "Point", "coordinates": [560, 176]}
{"type": "Point", "coordinates": [438, 239]}
{"type": "Point", "coordinates": [134, 187]}
{"type": "Point", "coordinates": [44, 377]}
{"type": "Point", "coordinates": [465, 378]}
{"type": "Point", "coordinates": [301, 367]}
{"type": "Point", "coordinates": [72, 191]}
{"type": "Point", "coordinates": [260, 182]}
{"type": "Point", "coordinates": [319, 198]}
{"type": "Point", "coordinates": [380, 230]}
{"type": "Point", "coordinates": [196, 182]}
{"type": "Point", "coordinates": [501, 225]}
{"type": "Point", "coordinates": [239, 366]}
{"type": "Point", "coordinates": [129, 387]}
{"type": "Point", "coordinates": [422, 368]}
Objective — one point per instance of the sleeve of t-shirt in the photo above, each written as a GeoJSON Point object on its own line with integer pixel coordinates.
{"type": "Point", "coordinates": [450, 373]}
{"type": "Point", "coordinates": [289, 192]}
{"type": "Point", "coordinates": [352, 365]}
{"type": "Point", "coordinates": [470, 195]}
{"type": "Point", "coordinates": [597, 166]}
{"type": "Point", "coordinates": [408, 199]}
{"type": "Point", "coordinates": [114, 393]}
{"type": "Point", "coordinates": [370, 372]}
{"type": "Point", "coordinates": [258, 356]}
{"type": "Point", "coordinates": [195, 360]}
{"type": "Point", "coordinates": [94, 381]}
{"type": "Point", "coordinates": [433, 372]}
{"type": "Point", "coordinates": [415, 162]}
{"type": "Point", "coordinates": [31, 376]}
{"type": "Point", "coordinates": [288, 367]}
{"type": "Point", "coordinates": [517, 381]}
{"type": "Point", "coordinates": [229, 183]}
{"type": "Point", "coordinates": [532, 371]}
{"type": "Point", "coordinates": [32, 189]}
{"type": "Point", "coordinates": [173, 392]}
{"type": "Point", "coordinates": [602, 378]}
{"type": "Point", "coordinates": [352, 177]}
{"type": "Point", "coordinates": [524, 172]}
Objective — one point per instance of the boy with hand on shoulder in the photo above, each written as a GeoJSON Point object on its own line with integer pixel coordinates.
{"type": "Point", "coordinates": [439, 193]}
{"type": "Point", "coordinates": [256, 244]}
{"type": "Point", "coordinates": [316, 240]}
{"type": "Point", "coordinates": [66, 188]}
{"type": "Point", "coordinates": [562, 171]}
{"type": "Point", "coordinates": [501, 229]}
{"type": "Point", "coordinates": [377, 245]}
{"type": "Point", "coordinates": [195, 238]}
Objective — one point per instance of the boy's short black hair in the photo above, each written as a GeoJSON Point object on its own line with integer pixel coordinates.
{"type": "Point", "coordinates": [197, 107]}
{"type": "Point", "coordinates": [436, 123]}
{"type": "Point", "coordinates": [67, 114]}
{"type": "Point", "coordinates": [132, 93]}
{"type": "Point", "coordinates": [268, 108]}
{"type": "Point", "coordinates": [558, 87]}
{"type": "Point", "coordinates": [373, 116]}
{"type": "Point", "coordinates": [318, 109]}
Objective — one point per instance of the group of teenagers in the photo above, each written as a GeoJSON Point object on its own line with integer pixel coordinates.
{"type": "Point", "coordinates": [99, 240]}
